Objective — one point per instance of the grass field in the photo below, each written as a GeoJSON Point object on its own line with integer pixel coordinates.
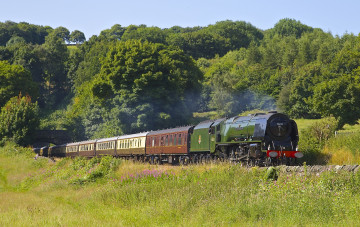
{"type": "Point", "coordinates": [341, 149]}
{"type": "Point", "coordinates": [112, 192]}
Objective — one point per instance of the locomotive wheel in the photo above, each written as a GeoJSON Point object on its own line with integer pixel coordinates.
{"type": "Point", "coordinates": [202, 159]}
{"type": "Point", "coordinates": [194, 159]}
{"type": "Point", "coordinates": [215, 159]}
{"type": "Point", "coordinates": [223, 157]}
{"type": "Point", "coordinates": [184, 161]}
{"type": "Point", "coordinates": [250, 162]}
{"type": "Point", "coordinates": [208, 159]}
{"type": "Point", "coordinates": [268, 161]}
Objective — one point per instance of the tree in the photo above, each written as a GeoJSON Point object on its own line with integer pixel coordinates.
{"type": "Point", "coordinates": [34, 34]}
{"type": "Point", "coordinates": [114, 33]}
{"type": "Point", "coordinates": [238, 33]}
{"type": "Point", "coordinates": [85, 62]}
{"type": "Point", "coordinates": [146, 86]}
{"type": "Point", "coordinates": [56, 56]}
{"type": "Point", "coordinates": [200, 44]}
{"type": "Point", "coordinates": [14, 40]}
{"type": "Point", "coordinates": [290, 27]}
{"type": "Point", "coordinates": [62, 33]}
{"type": "Point", "coordinates": [14, 79]}
{"type": "Point", "coordinates": [339, 97]}
{"type": "Point", "coordinates": [151, 34]}
{"type": "Point", "coordinates": [77, 37]}
{"type": "Point", "coordinates": [18, 120]}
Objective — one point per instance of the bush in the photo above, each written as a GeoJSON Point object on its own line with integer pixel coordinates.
{"type": "Point", "coordinates": [313, 139]}
{"type": "Point", "coordinates": [18, 120]}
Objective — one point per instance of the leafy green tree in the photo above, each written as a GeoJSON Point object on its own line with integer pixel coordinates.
{"type": "Point", "coordinates": [348, 58]}
{"type": "Point", "coordinates": [151, 34]}
{"type": "Point", "coordinates": [146, 86]}
{"type": "Point", "coordinates": [290, 27]}
{"type": "Point", "coordinates": [77, 37]}
{"type": "Point", "coordinates": [14, 79]}
{"type": "Point", "coordinates": [272, 52]}
{"type": "Point", "coordinates": [253, 54]}
{"type": "Point", "coordinates": [200, 44]}
{"type": "Point", "coordinates": [30, 33]}
{"type": "Point", "coordinates": [85, 62]}
{"type": "Point", "coordinates": [14, 40]}
{"type": "Point", "coordinates": [302, 87]}
{"type": "Point", "coordinates": [339, 97]}
{"type": "Point", "coordinates": [5, 54]}
{"type": "Point", "coordinates": [238, 33]}
{"type": "Point", "coordinates": [4, 34]}
{"type": "Point", "coordinates": [56, 56]}
{"type": "Point", "coordinates": [18, 120]}
{"type": "Point", "coordinates": [62, 33]}
{"type": "Point", "coordinates": [228, 85]}
{"type": "Point", "coordinates": [114, 33]}
{"type": "Point", "coordinates": [290, 51]}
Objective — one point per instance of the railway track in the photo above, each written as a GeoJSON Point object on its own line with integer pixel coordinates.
{"type": "Point", "coordinates": [289, 169]}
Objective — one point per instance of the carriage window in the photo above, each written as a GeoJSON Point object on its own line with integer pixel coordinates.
{"type": "Point", "coordinates": [175, 140]}
{"type": "Point", "coordinates": [171, 140]}
{"type": "Point", "coordinates": [179, 141]}
{"type": "Point", "coordinates": [166, 141]}
{"type": "Point", "coordinates": [153, 141]}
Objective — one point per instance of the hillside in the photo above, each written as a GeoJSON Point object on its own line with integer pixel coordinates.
{"type": "Point", "coordinates": [138, 78]}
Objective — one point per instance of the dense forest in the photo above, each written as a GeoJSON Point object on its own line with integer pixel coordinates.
{"type": "Point", "coordinates": [138, 78]}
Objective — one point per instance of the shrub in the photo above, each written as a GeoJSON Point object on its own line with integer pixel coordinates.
{"type": "Point", "coordinates": [313, 139]}
{"type": "Point", "coordinates": [18, 120]}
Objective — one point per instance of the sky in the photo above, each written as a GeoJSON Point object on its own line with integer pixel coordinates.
{"type": "Point", "coordinates": [91, 17]}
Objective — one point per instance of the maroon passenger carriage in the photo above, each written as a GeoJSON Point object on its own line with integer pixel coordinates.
{"type": "Point", "coordinates": [169, 145]}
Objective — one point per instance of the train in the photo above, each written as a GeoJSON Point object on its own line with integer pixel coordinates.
{"type": "Point", "coordinates": [261, 139]}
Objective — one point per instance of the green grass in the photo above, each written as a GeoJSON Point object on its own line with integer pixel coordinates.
{"type": "Point", "coordinates": [112, 192]}
{"type": "Point", "coordinates": [342, 149]}
{"type": "Point", "coordinates": [304, 123]}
